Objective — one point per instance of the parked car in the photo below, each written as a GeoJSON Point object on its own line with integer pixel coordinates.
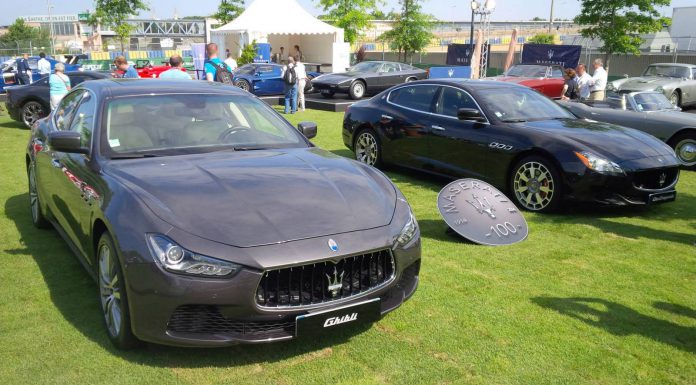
{"type": "Point", "coordinates": [29, 103]}
{"type": "Point", "coordinates": [367, 78]}
{"type": "Point", "coordinates": [514, 138]}
{"type": "Point", "coordinates": [9, 69]}
{"type": "Point", "coordinates": [208, 220]}
{"type": "Point", "coordinates": [675, 80]}
{"type": "Point", "coordinates": [146, 69]}
{"type": "Point", "coordinates": [547, 79]}
{"type": "Point", "coordinates": [265, 78]}
{"type": "Point", "coordinates": [650, 112]}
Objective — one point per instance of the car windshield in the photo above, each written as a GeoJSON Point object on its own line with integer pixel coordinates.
{"type": "Point", "coordinates": [652, 101]}
{"type": "Point", "coordinates": [519, 104]}
{"type": "Point", "coordinates": [366, 66]}
{"type": "Point", "coordinates": [527, 71]}
{"type": "Point", "coordinates": [194, 123]}
{"type": "Point", "coordinates": [667, 71]}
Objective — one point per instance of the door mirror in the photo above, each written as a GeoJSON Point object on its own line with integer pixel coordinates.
{"type": "Point", "coordinates": [470, 114]}
{"type": "Point", "coordinates": [308, 129]}
{"type": "Point", "coordinates": [66, 141]}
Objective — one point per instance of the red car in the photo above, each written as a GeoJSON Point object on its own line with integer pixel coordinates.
{"type": "Point", "coordinates": [548, 80]}
{"type": "Point", "coordinates": [145, 69]}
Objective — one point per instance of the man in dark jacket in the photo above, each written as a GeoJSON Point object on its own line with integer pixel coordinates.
{"type": "Point", "coordinates": [23, 70]}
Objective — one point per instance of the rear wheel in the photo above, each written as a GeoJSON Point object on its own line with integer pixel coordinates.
{"type": "Point", "coordinates": [243, 84]}
{"type": "Point", "coordinates": [37, 215]}
{"type": "Point", "coordinates": [31, 112]}
{"type": "Point", "coordinates": [112, 294]}
{"type": "Point", "coordinates": [357, 90]}
{"type": "Point", "coordinates": [536, 184]}
{"type": "Point", "coordinates": [675, 98]}
{"type": "Point", "coordinates": [411, 79]}
{"type": "Point", "coordinates": [685, 148]}
{"type": "Point", "coordinates": [368, 149]}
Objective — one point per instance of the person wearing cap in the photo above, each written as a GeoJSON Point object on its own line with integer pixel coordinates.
{"type": "Point", "coordinates": [177, 71]}
{"type": "Point", "coordinates": [58, 85]}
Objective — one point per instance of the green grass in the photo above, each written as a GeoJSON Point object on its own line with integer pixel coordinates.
{"type": "Point", "coordinates": [593, 296]}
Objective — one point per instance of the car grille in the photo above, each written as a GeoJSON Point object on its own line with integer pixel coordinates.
{"type": "Point", "coordinates": [325, 281]}
{"type": "Point", "coordinates": [655, 179]}
{"type": "Point", "coordinates": [207, 319]}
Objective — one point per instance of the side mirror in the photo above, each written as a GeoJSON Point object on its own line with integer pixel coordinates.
{"type": "Point", "coordinates": [66, 141]}
{"type": "Point", "coordinates": [470, 114]}
{"type": "Point", "coordinates": [308, 129]}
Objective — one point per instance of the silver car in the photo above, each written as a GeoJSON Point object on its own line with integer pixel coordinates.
{"type": "Point", "coordinates": [675, 80]}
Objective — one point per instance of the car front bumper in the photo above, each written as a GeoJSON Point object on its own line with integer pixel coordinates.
{"type": "Point", "coordinates": [330, 87]}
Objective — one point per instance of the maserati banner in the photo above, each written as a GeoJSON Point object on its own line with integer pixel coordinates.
{"type": "Point", "coordinates": [567, 56]}
{"type": "Point", "coordinates": [459, 54]}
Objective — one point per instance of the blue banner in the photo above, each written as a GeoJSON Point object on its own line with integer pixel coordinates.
{"type": "Point", "coordinates": [198, 51]}
{"type": "Point", "coordinates": [459, 54]}
{"type": "Point", "coordinates": [566, 56]}
{"type": "Point", "coordinates": [460, 72]}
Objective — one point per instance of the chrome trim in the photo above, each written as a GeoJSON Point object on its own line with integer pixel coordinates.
{"type": "Point", "coordinates": [662, 189]}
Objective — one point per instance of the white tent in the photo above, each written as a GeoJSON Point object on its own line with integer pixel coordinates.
{"type": "Point", "coordinates": [284, 23]}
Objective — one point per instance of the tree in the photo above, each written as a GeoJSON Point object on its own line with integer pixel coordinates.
{"type": "Point", "coordinates": [248, 54]}
{"type": "Point", "coordinates": [619, 23]}
{"type": "Point", "coordinates": [22, 33]}
{"type": "Point", "coordinates": [537, 18]}
{"type": "Point", "coordinates": [351, 15]}
{"type": "Point", "coordinates": [228, 10]}
{"type": "Point", "coordinates": [543, 38]}
{"type": "Point", "coordinates": [114, 13]}
{"type": "Point", "coordinates": [411, 32]}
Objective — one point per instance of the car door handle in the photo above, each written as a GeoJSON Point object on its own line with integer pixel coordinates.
{"type": "Point", "coordinates": [387, 118]}
{"type": "Point", "coordinates": [56, 163]}
{"type": "Point", "coordinates": [437, 128]}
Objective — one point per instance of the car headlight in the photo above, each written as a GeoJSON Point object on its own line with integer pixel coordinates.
{"type": "Point", "coordinates": [599, 164]}
{"type": "Point", "coordinates": [179, 260]}
{"type": "Point", "coordinates": [659, 89]}
{"type": "Point", "coordinates": [408, 231]}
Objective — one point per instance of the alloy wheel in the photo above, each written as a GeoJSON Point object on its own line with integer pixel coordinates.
{"type": "Point", "coordinates": [366, 148]}
{"type": "Point", "coordinates": [686, 151]}
{"type": "Point", "coordinates": [109, 288]}
{"type": "Point", "coordinates": [358, 90]}
{"type": "Point", "coordinates": [533, 186]}
{"type": "Point", "coordinates": [674, 99]}
{"type": "Point", "coordinates": [31, 112]}
{"type": "Point", "coordinates": [243, 84]}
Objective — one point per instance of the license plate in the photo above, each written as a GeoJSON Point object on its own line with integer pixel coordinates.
{"type": "Point", "coordinates": [662, 197]}
{"type": "Point", "coordinates": [327, 320]}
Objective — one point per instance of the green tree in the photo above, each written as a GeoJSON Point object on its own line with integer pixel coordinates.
{"type": "Point", "coordinates": [351, 15]}
{"type": "Point", "coordinates": [114, 13]}
{"type": "Point", "coordinates": [543, 38]}
{"type": "Point", "coordinates": [248, 54]}
{"type": "Point", "coordinates": [619, 23]}
{"type": "Point", "coordinates": [537, 18]}
{"type": "Point", "coordinates": [228, 10]}
{"type": "Point", "coordinates": [411, 32]}
{"type": "Point", "coordinates": [20, 34]}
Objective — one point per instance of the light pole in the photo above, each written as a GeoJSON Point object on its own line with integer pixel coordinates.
{"type": "Point", "coordinates": [551, 18]}
{"type": "Point", "coordinates": [484, 9]}
{"type": "Point", "coordinates": [474, 5]}
{"type": "Point", "coordinates": [50, 21]}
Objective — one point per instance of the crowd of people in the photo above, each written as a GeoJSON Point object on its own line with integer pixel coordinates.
{"type": "Point", "coordinates": [580, 85]}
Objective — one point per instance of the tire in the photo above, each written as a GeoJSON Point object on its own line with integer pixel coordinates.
{"type": "Point", "coordinates": [328, 94]}
{"type": "Point", "coordinates": [357, 90]}
{"type": "Point", "coordinates": [38, 218]}
{"type": "Point", "coordinates": [411, 79]}
{"type": "Point", "coordinates": [309, 88]}
{"type": "Point", "coordinates": [243, 84]}
{"type": "Point", "coordinates": [542, 189]}
{"type": "Point", "coordinates": [112, 295]}
{"type": "Point", "coordinates": [675, 98]}
{"type": "Point", "coordinates": [684, 146]}
{"type": "Point", "coordinates": [368, 148]}
{"type": "Point", "coordinates": [31, 112]}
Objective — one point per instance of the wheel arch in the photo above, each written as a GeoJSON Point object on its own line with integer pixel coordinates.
{"type": "Point", "coordinates": [98, 228]}
{"type": "Point", "coordinates": [681, 131]}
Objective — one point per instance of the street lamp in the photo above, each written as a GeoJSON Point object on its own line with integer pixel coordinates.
{"type": "Point", "coordinates": [50, 20]}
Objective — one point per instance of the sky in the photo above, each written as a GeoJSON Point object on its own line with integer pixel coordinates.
{"type": "Point", "coordinates": [458, 10]}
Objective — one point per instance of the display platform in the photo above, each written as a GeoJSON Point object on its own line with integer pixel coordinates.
{"type": "Point", "coordinates": [315, 102]}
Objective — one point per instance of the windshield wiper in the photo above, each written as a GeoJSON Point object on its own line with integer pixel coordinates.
{"type": "Point", "coordinates": [134, 156]}
{"type": "Point", "coordinates": [514, 120]}
{"type": "Point", "coordinates": [249, 148]}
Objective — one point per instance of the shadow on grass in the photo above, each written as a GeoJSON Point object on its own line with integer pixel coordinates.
{"type": "Point", "coordinates": [620, 320]}
{"type": "Point", "coordinates": [675, 309]}
{"type": "Point", "coordinates": [75, 295]}
{"type": "Point", "coordinates": [6, 122]}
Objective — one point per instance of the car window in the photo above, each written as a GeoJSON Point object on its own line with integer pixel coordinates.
{"type": "Point", "coordinates": [520, 104]}
{"type": "Point", "coordinates": [452, 99]}
{"type": "Point", "coordinates": [556, 72]}
{"type": "Point", "coordinates": [527, 71]}
{"type": "Point", "coordinates": [66, 109]}
{"type": "Point", "coordinates": [76, 79]}
{"type": "Point", "coordinates": [265, 69]}
{"type": "Point", "coordinates": [84, 118]}
{"type": "Point", "coordinates": [390, 67]}
{"type": "Point", "coordinates": [652, 101]}
{"type": "Point", "coordinates": [33, 64]}
{"type": "Point", "coordinates": [247, 69]}
{"type": "Point", "coordinates": [416, 97]}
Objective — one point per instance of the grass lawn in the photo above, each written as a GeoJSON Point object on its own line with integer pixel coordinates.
{"type": "Point", "coordinates": [593, 296]}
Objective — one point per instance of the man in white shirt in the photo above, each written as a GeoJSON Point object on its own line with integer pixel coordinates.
{"type": "Point", "coordinates": [583, 80]}
{"type": "Point", "coordinates": [231, 62]}
{"type": "Point", "coordinates": [44, 65]}
{"type": "Point", "coordinates": [301, 73]}
{"type": "Point", "coordinates": [599, 81]}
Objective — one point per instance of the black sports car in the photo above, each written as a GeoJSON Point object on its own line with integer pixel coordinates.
{"type": "Point", "coordinates": [514, 138]}
{"type": "Point", "coordinates": [208, 220]}
{"type": "Point", "coordinates": [367, 78]}
{"type": "Point", "coordinates": [31, 102]}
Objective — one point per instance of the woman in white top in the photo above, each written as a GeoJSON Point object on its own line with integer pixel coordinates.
{"type": "Point", "coordinates": [301, 74]}
{"type": "Point", "coordinates": [59, 85]}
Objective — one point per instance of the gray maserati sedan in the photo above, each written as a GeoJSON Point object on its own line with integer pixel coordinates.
{"type": "Point", "coordinates": [206, 219]}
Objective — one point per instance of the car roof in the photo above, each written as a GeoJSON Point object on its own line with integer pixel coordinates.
{"type": "Point", "coordinates": [469, 83]}
{"type": "Point", "coordinates": [673, 65]}
{"type": "Point", "coordinates": [132, 87]}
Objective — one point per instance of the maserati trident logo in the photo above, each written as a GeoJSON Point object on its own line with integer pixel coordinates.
{"type": "Point", "coordinates": [333, 245]}
{"type": "Point", "coordinates": [335, 282]}
{"type": "Point", "coordinates": [663, 179]}
{"type": "Point", "coordinates": [550, 54]}
{"type": "Point", "coordinates": [450, 72]}
{"type": "Point", "coordinates": [482, 206]}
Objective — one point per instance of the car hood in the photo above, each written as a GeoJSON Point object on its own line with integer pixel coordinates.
{"type": "Point", "coordinates": [613, 142]}
{"type": "Point", "coordinates": [645, 83]}
{"type": "Point", "coordinates": [336, 78]}
{"type": "Point", "coordinates": [255, 198]}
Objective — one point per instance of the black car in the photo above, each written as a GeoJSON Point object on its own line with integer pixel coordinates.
{"type": "Point", "coordinates": [31, 102]}
{"type": "Point", "coordinates": [208, 220]}
{"type": "Point", "coordinates": [514, 138]}
{"type": "Point", "coordinates": [367, 78]}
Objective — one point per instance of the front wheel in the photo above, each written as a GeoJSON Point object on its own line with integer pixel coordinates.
{"type": "Point", "coordinates": [675, 99]}
{"type": "Point", "coordinates": [112, 294]}
{"type": "Point", "coordinates": [243, 84]}
{"type": "Point", "coordinates": [38, 218]}
{"type": "Point", "coordinates": [368, 149]}
{"type": "Point", "coordinates": [357, 90]}
{"type": "Point", "coordinates": [31, 112]}
{"type": "Point", "coordinates": [536, 184]}
{"type": "Point", "coordinates": [685, 148]}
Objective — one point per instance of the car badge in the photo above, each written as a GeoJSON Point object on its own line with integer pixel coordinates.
{"type": "Point", "coordinates": [335, 284]}
{"type": "Point", "coordinates": [450, 72]}
{"type": "Point", "coordinates": [333, 245]}
{"type": "Point", "coordinates": [663, 179]}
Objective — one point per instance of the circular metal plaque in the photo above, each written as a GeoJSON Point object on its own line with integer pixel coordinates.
{"type": "Point", "coordinates": [480, 213]}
